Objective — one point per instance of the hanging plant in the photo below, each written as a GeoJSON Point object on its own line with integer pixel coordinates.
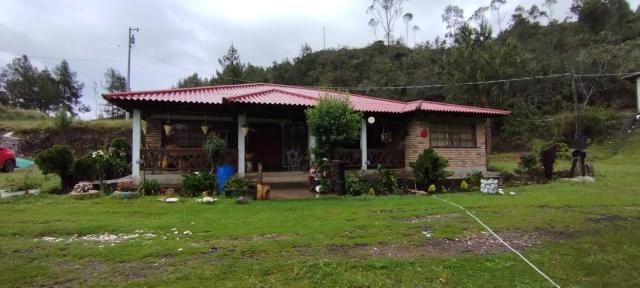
{"type": "Point", "coordinates": [386, 137]}
{"type": "Point", "coordinates": [168, 129]}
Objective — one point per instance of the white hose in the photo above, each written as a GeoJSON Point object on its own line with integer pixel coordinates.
{"type": "Point", "coordinates": [501, 241]}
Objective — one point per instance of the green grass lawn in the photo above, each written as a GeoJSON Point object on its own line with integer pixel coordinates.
{"type": "Point", "coordinates": [587, 236]}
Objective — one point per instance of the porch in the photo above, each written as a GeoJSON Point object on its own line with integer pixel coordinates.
{"type": "Point", "coordinates": [278, 140]}
{"type": "Point", "coordinates": [185, 160]}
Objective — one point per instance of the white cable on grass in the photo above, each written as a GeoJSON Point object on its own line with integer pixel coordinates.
{"type": "Point", "coordinates": [501, 241]}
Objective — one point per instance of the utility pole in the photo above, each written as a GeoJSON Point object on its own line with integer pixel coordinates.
{"type": "Point", "coordinates": [324, 38]}
{"type": "Point", "coordinates": [132, 40]}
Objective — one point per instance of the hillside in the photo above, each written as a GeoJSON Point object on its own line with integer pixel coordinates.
{"type": "Point", "coordinates": [593, 47]}
{"type": "Point", "coordinates": [38, 131]}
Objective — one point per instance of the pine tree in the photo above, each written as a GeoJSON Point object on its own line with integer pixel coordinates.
{"type": "Point", "coordinates": [115, 82]}
{"type": "Point", "coordinates": [69, 88]}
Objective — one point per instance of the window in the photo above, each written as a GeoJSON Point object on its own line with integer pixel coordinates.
{"type": "Point", "coordinates": [453, 135]}
{"type": "Point", "coordinates": [188, 134]}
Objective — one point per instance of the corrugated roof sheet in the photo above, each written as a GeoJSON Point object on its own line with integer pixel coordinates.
{"type": "Point", "coordinates": [262, 93]}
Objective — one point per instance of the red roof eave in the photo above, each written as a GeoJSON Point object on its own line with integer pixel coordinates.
{"type": "Point", "coordinates": [273, 94]}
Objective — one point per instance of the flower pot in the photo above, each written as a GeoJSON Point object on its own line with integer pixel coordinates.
{"type": "Point", "coordinates": [245, 131]}
{"type": "Point", "coordinates": [168, 129]}
{"type": "Point", "coordinates": [169, 193]}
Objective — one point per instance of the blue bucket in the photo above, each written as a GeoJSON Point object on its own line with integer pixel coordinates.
{"type": "Point", "coordinates": [223, 173]}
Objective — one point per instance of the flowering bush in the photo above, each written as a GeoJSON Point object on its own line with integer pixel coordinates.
{"type": "Point", "coordinates": [111, 163]}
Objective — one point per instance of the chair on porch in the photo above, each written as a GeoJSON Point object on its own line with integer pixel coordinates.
{"type": "Point", "coordinates": [294, 160]}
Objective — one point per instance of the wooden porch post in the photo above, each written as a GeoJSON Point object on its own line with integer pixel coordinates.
{"type": "Point", "coordinates": [241, 147]}
{"type": "Point", "coordinates": [638, 94]}
{"type": "Point", "coordinates": [363, 145]}
{"type": "Point", "coordinates": [312, 145]}
{"type": "Point", "coordinates": [135, 146]}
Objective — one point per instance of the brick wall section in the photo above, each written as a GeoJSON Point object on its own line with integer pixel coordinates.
{"type": "Point", "coordinates": [413, 143]}
{"type": "Point", "coordinates": [459, 158]}
{"type": "Point", "coordinates": [153, 139]}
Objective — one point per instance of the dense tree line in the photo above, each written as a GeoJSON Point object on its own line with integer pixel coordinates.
{"type": "Point", "coordinates": [601, 38]}
{"type": "Point", "coordinates": [22, 85]}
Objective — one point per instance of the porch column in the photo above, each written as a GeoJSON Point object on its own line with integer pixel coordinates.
{"type": "Point", "coordinates": [363, 145]}
{"type": "Point", "coordinates": [638, 94]}
{"type": "Point", "coordinates": [241, 149]}
{"type": "Point", "coordinates": [312, 145]}
{"type": "Point", "coordinates": [135, 146]}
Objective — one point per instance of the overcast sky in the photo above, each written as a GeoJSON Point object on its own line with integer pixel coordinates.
{"type": "Point", "coordinates": [178, 38]}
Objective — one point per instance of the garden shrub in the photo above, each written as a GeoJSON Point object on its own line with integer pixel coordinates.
{"type": "Point", "coordinates": [58, 160]}
{"type": "Point", "coordinates": [389, 182]}
{"type": "Point", "coordinates": [528, 161]}
{"type": "Point", "coordinates": [464, 186]}
{"type": "Point", "coordinates": [429, 168]}
{"type": "Point", "coordinates": [86, 169]}
{"type": "Point", "coordinates": [236, 186]}
{"type": "Point", "coordinates": [372, 182]}
{"type": "Point", "coordinates": [474, 178]}
{"type": "Point", "coordinates": [432, 189]}
{"type": "Point", "coordinates": [121, 148]}
{"type": "Point", "coordinates": [355, 186]}
{"type": "Point", "coordinates": [110, 165]}
{"type": "Point", "coordinates": [530, 165]}
{"type": "Point", "coordinates": [150, 187]}
{"type": "Point", "coordinates": [194, 184]}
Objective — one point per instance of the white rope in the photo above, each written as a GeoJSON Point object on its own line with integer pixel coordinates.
{"type": "Point", "coordinates": [501, 241]}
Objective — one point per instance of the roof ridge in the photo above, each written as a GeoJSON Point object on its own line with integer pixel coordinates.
{"type": "Point", "coordinates": [458, 105]}
{"type": "Point", "coordinates": [321, 89]}
{"type": "Point", "coordinates": [232, 98]}
{"type": "Point", "coordinates": [209, 87]}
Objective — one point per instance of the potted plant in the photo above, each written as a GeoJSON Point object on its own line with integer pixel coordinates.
{"type": "Point", "coordinates": [236, 187]}
{"type": "Point", "coordinates": [196, 183]}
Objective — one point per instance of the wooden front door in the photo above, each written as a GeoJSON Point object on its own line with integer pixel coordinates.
{"type": "Point", "coordinates": [265, 142]}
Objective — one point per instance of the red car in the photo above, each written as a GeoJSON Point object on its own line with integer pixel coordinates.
{"type": "Point", "coordinates": [7, 160]}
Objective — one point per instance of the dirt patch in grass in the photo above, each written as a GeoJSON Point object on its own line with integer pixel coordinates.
{"type": "Point", "coordinates": [608, 218]}
{"type": "Point", "coordinates": [394, 210]}
{"type": "Point", "coordinates": [95, 272]}
{"type": "Point", "coordinates": [428, 218]}
{"type": "Point", "coordinates": [268, 237]}
{"type": "Point", "coordinates": [475, 244]}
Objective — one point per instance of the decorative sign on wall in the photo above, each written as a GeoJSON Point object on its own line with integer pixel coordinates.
{"type": "Point", "coordinates": [424, 133]}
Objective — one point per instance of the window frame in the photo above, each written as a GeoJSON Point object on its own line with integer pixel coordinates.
{"type": "Point", "coordinates": [454, 135]}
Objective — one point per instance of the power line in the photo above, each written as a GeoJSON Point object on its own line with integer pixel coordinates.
{"type": "Point", "coordinates": [479, 82]}
{"type": "Point", "coordinates": [75, 59]}
{"type": "Point", "coordinates": [155, 70]}
{"type": "Point", "coordinates": [190, 69]}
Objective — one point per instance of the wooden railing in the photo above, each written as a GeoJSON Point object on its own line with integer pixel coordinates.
{"type": "Point", "coordinates": [181, 160]}
{"type": "Point", "coordinates": [195, 159]}
{"type": "Point", "coordinates": [388, 158]}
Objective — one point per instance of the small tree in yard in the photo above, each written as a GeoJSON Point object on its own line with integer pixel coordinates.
{"type": "Point", "coordinates": [334, 123]}
{"type": "Point", "coordinates": [214, 146]}
{"type": "Point", "coordinates": [58, 160]}
{"type": "Point", "coordinates": [429, 168]}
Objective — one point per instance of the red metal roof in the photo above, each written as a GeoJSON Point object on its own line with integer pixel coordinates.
{"type": "Point", "coordinates": [262, 93]}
